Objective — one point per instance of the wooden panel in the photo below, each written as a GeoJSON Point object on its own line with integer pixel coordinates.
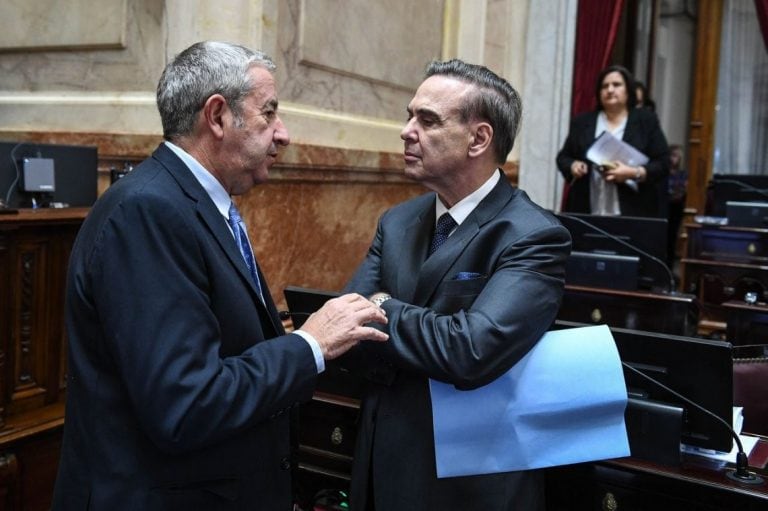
{"type": "Point", "coordinates": [630, 484]}
{"type": "Point", "coordinates": [723, 263]}
{"type": "Point", "coordinates": [34, 250]}
{"type": "Point", "coordinates": [702, 123]}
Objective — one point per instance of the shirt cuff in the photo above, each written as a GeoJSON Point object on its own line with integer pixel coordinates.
{"type": "Point", "coordinates": [316, 351]}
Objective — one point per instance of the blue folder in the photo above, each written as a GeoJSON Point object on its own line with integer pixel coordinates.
{"type": "Point", "coordinates": [562, 403]}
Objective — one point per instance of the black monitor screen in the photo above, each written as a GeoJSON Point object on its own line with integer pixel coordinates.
{"type": "Point", "coordinates": [698, 369]}
{"type": "Point", "coordinates": [641, 237]}
{"type": "Point", "coordinates": [74, 168]}
{"type": "Point", "coordinates": [734, 188]}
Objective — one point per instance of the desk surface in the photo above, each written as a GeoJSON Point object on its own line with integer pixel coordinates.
{"type": "Point", "coordinates": [632, 484]}
{"type": "Point", "coordinates": [44, 215]}
{"type": "Point", "coordinates": [705, 472]}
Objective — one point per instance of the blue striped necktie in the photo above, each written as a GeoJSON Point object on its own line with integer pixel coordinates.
{"type": "Point", "coordinates": [238, 228]}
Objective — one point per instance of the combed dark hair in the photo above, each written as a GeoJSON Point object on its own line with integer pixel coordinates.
{"type": "Point", "coordinates": [629, 83]}
{"type": "Point", "coordinates": [494, 100]}
{"type": "Point", "coordinates": [202, 70]}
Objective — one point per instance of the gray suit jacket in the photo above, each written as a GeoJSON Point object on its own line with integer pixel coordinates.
{"type": "Point", "coordinates": [174, 399]}
{"type": "Point", "coordinates": [461, 329]}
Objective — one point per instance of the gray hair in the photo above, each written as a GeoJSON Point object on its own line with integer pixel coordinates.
{"type": "Point", "coordinates": [202, 70]}
{"type": "Point", "coordinates": [494, 100]}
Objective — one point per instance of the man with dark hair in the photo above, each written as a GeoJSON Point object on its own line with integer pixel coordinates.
{"type": "Point", "coordinates": [175, 399]}
{"type": "Point", "coordinates": [470, 275]}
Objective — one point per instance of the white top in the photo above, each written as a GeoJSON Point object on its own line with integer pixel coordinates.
{"type": "Point", "coordinates": [604, 196]}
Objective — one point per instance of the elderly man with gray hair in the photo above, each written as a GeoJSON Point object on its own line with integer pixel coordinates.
{"type": "Point", "coordinates": [175, 399]}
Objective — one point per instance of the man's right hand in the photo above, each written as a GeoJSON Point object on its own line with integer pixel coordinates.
{"type": "Point", "coordinates": [339, 324]}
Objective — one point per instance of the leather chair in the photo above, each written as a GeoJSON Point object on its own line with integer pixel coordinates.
{"type": "Point", "coordinates": [750, 386]}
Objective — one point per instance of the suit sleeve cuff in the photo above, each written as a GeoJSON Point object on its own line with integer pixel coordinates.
{"type": "Point", "coordinates": [316, 351]}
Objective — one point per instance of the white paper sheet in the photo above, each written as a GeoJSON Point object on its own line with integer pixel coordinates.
{"type": "Point", "coordinates": [607, 149]}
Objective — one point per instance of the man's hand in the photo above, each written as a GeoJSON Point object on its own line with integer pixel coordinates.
{"type": "Point", "coordinates": [339, 324]}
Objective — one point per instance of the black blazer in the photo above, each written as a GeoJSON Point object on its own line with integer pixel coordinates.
{"type": "Point", "coordinates": [643, 132]}
{"type": "Point", "coordinates": [464, 332]}
{"type": "Point", "coordinates": [174, 400]}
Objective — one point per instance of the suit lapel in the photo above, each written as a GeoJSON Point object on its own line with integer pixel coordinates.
{"type": "Point", "coordinates": [589, 132]}
{"type": "Point", "coordinates": [417, 236]}
{"type": "Point", "coordinates": [217, 226]}
{"type": "Point", "coordinates": [434, 269]}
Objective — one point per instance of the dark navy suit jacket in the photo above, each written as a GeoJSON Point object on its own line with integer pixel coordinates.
{"type": "Point", "coordinates": [174, 398]}
{"type": "Point", "coordinates": [644, 133]}
{"type": "Point", "coordinates": [463, 329]}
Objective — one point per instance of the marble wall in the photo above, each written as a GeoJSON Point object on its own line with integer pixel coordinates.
{"type": "Point", "coordinates": [84, 72]}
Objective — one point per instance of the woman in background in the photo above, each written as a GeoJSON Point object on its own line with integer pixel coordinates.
{"type": "Point", "coordinates": [643, 98]}
{"type": "Point", "coordinates": [618, 189]}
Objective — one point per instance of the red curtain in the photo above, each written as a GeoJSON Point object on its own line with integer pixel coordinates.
{"type": "Point", "coordinates": [761, 6]}
{"type": "Point", "coordinates": [596, 27]}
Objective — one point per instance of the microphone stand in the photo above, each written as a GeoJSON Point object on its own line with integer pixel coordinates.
{"type": "Point", "coordinates": [740, 474]}
{"type": "Point", "coordinates": [670, 275]}
{"type": "Point", "coordinates": [743, 186]}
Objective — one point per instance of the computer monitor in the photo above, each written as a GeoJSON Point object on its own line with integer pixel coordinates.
{"type": "Point", "coordinates": [698, 369]}
{"type": "Point", "coordinates": [75, 174]}
{"type": "Point", "coordinates": [724, 188]}
{"type": "Point", "coordinates": [644, 238]}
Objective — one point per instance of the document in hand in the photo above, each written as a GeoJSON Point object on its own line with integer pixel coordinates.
{"type": "Point", "coordinates": [562, 403]}
{"type": "Point", "coordinates": [607, 149]}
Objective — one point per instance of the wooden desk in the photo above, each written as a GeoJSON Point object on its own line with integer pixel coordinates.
{"type": "Point", "coordinates": [631, 484]}
{"type": "Point", "coordinates": [676, 314]}
{"type": "Point", "coordinates": [746, 323]}
{"type": "Point", "coordinates": [34, 251]}
{"type": "Point", "coordinates": [723, 263]}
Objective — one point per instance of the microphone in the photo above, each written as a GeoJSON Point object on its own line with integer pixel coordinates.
{"type": "Point", "coordinates": [671, 283]}
{"type": "Point", "coordinates": [741, 473]}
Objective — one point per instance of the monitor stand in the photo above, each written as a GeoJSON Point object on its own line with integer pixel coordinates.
{"type": "Point", "coordinates": [654, 430]}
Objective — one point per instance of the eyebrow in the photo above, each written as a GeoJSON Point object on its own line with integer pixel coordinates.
{"type": "Point", "coordinates": [426, 112]}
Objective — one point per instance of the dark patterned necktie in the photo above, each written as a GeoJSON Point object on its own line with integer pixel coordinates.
{"type": "Point", "coordinates": [238, 228]}
{"type": "Point", "coordinates": [445, 224]}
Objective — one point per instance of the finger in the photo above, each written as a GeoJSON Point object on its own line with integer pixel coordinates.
{"type": "Point", "coordinates": [373, 313]}
{"type": "Point", "coordinates": [371, 334]}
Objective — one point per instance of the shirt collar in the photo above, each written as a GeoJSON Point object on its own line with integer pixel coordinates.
{"type": "Point", "coordinates": [210, 184]}
{"type": "Point", "coordinates": [461, 210]}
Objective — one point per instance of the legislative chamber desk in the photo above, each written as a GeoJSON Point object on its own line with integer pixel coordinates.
{"type": "Point", "coordinates": [723, 263]}
{"type": "Point", "coordinates": [34, 250]}
{"type": "Point", "coordinates": [630, 484]}
{"type": "Point", "coordinates": [675, 314]}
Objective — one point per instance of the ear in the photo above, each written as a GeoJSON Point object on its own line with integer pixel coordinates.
{"type": "Point", "coordinates": [481, 139]}
{"type": "Point", "coordinates": [213, 115]}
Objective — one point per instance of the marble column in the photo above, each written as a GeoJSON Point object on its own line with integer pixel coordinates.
{"type": "Point", "coordinates": [546, 97]}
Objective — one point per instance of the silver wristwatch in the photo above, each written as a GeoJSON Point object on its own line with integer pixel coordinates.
{"type": "Point", "coordinates": [378, 300]}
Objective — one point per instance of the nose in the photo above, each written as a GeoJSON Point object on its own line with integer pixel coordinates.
{"type": "Point", "coordinates": [408, 132]}
{"type": "Point", "coordinates": [281, 136]}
